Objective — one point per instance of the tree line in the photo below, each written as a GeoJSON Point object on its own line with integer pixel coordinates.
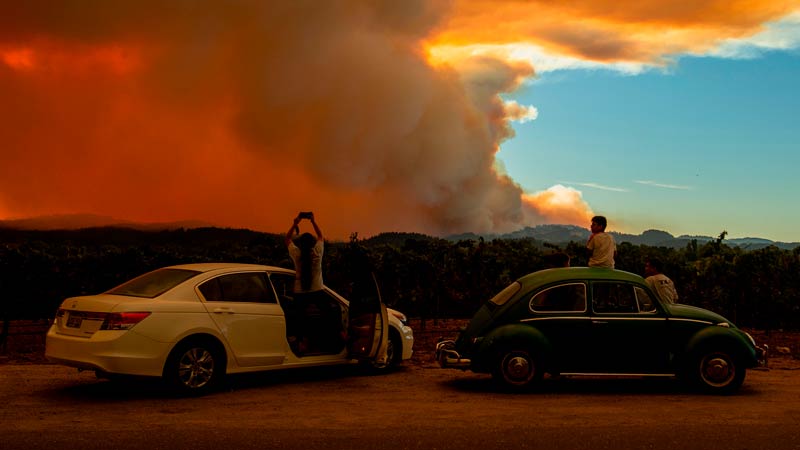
{"type": "Point", "coordinates": [423, 276]}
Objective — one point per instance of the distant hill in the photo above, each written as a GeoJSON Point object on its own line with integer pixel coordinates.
{"type": "Point", "coordinates": [562, 234]}
{"type": "Point", "coordinates": [397, 239]}
{"type": "Point", "coordinates": [553, 234]}
{"type": "Point", "coordinates": [80, 221]}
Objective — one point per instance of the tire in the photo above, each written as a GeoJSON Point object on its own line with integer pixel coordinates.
{"type": "Point", "coordinates": [195, 367]}
{"type": "Point", "coordinates": [394, 354]}
{"type": "Point", "coordinates": [717, 371]}
{"type": "Point", "coordinates": [517, 368]}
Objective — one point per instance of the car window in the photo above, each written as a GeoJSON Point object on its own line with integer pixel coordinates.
{"type": "Point", "coordinates": [283, 283]}
{"type": "Point", "coordinates": [153, 284]}
{"type": "Point", "coordinates": [249, 287]}
{"type": "Point", "coordinates": [646, 303]}
{"type": "Point", "coordinates": [613, 297]}
{"type": "Point", "coordinates": [563, 298]}
{"type": "Point", "coordinates": [505, 295]}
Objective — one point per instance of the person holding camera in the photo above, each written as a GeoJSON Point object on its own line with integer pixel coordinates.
{"type": "Point", "coordinates": [306, 252]}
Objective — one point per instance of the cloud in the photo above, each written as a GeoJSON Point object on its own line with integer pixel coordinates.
{"type": "Point", "coordinates": [783, 34]}
{"type": "Point", "coordinates": [597, 186]}
{"type": "Point", "coordinates": [558, 204]}
{"type": "Point", "coordinates": [520, 113]}
{"type": "Point", "coordinates": [663, 185]}
{"type": "Point", "coordinates": [600, 34]}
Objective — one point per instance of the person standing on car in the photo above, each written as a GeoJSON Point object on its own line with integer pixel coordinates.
{"type": "Point", "coordinates": [602, 249]}
{"type": "Point", "coordinates": [658, 282]}
{"type": "Point", "coordinates": [306, 252]}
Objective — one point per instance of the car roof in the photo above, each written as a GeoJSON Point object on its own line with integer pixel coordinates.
{"type": "Point", "coordinates": [208, 267]}
{"type": "Point", "coordinates": [548, 276]}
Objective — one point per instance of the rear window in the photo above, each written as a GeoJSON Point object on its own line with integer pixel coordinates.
{"type": "Point", "coordinates": [505, 295]}
{"type": "Point", "coordinates": [153, 284]}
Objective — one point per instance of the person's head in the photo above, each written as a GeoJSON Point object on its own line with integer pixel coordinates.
{"type": "Point", "coordinates": [653, 266]}
{"type": "Point", "coordinates": [558, 259]}
{"type": "Point", "coordinates": [598, 224]}
{"type": "Point", "coordinates": [305, 241]}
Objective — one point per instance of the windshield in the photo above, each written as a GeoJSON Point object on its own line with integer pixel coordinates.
{"type": "Point", "coordinates": [154, 283]}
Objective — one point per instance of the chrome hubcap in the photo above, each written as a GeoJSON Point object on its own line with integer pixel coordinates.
{"type": "Point", "coordinates": [717, 370]}
{"type": "Point", "coordinates": [196, 367]}
{"type": "Point", "coordinates": [518, 368]}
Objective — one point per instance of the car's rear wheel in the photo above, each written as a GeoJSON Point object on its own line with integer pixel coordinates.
{"type": "Point", "coordinates": [517, 368]}
{"type": "Point", "coordinates": [718, 371]}
{"type": "Point", "coordinates": [195, 367]}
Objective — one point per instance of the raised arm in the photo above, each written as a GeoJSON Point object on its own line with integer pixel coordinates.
{"type": "Point", "coordinates": [316, 227]}
{"type": "Point", "coordinates": [292, 230]}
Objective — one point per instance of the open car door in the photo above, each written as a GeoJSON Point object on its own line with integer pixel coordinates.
{"type": "Point", "coordinates": [368, 323]}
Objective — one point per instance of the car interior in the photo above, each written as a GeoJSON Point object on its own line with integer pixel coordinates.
{"type": "Point", "coordinates": [564, 298]}
{"type": "Point", "coordinates": [315, 322]}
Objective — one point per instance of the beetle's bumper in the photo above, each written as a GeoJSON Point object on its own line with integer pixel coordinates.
{"type": "Point", "coordinates": [762, 355]}
{"type": "Point", "coordinates": [448, 357]}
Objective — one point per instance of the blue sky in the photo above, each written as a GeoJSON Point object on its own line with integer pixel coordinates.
{"type": "Point", "coordinates": [707, 144]}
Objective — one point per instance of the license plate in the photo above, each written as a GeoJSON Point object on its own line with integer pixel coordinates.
{"type": "Point", "coordinates": [74, 322]}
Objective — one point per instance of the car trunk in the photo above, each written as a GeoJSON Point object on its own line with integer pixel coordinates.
{"type": "Point", "coordinates": [83, 316]}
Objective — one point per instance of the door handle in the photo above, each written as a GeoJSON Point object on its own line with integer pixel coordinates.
{"type": "Point", "coordinates": [600, 322]}
{"type": "Point", "coordinates": [223, 311]}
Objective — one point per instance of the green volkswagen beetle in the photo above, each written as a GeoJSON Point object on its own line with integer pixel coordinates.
{"type": "Point", "coordinates": [591, 321]}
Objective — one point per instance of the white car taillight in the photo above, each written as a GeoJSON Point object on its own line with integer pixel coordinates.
{"type": "Point", "coordinates": [123, 321]}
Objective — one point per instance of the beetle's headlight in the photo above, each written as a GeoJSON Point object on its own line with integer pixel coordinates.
{"type": "Point", "coordinates": [752, 341]}
{"type": "Point", "coordinates": [724, 324]}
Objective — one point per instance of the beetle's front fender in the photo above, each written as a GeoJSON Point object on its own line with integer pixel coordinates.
{"type": "Point", "coordinates": [723, 337]}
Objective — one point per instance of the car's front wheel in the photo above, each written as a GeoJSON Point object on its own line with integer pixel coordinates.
{"type": "Point", "coordinates": [195, 367]}
{"type": "Point", "coordinates": [394, 354]}
{"type": "Point", "coordinates": [717, 371]}
{"type": "Point", "coordinates": [516, 368]}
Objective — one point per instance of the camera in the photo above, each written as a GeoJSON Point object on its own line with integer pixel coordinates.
{"type": "Point", "coordinates": [306, 215]}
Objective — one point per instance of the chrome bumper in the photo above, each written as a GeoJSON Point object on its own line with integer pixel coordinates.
{"type": "Point", "coordinates": [762, 354]}
{"type": "Point", "coordinates": [448, 357]}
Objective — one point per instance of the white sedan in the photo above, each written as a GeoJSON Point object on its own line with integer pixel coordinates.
{"type": "Point", "coordinates": [192, 324]}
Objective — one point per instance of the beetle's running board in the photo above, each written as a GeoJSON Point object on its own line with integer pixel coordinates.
{"type": "Point", "coordinates": [616, 375]}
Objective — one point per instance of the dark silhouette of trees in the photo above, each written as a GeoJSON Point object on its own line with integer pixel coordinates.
{"type": "Point", "coordinates": [422, 276]}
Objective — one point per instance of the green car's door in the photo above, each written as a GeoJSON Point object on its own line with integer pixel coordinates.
{"type": "Point", "coordinates": [629, 331]}
{"type": "Point", "coordinates": [559, 313]}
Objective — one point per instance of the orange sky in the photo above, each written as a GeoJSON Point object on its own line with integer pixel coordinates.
{"type": "Point", "coordinates": [243, 114]}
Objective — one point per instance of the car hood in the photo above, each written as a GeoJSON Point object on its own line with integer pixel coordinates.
{"type": "Point", "coordinates": [696, 313]}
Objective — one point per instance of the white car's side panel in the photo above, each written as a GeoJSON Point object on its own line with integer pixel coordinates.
{"type": "Point", "coordinates": [171, 327]}
{"type": "Point", "coordinates": [108, 351]}
{"type": "Point", "coordinates": [255, 332]}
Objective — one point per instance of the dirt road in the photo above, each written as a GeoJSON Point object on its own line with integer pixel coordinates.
{"type": "Point", "coordinates": [420, 406]}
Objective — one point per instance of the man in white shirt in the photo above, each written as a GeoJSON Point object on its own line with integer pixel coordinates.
{"type": "Point", "coordinates": [601, 245]}
{"type": "Point", "coordinates": [658, 282]}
